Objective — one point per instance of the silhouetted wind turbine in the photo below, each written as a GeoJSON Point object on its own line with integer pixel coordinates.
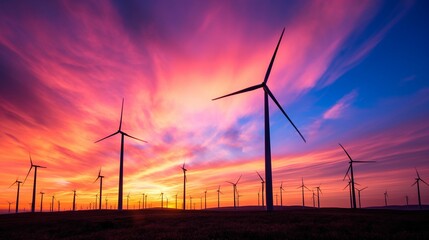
{"type": "Point", "coordinates": [281, 194]}
{"type": "Point", "coordinates": [385, 198]}
{"type": "Point", "coordinates": [352, 176]}
{"type": "Point", "coordinates": [218, 197]}
{"type": "Point", "coordinates": [360, 190]}
{"type": "Point", "coordinates": [267, 92]}
{"type": "Point", "coordinates": [142, 200]}
{"type": "Point", "coordinates": [176, 200]}
{"type": "Point", "coordinates": [263, 184]}
{"type": "Point", "coordinates": [128, 199]}
{"type": "Point", "coordinates": [74, 200]}
{"type": "Point", "coordinates": [121, 163]}
{"type": "Point", "coordinates": [406, 200]}
{"type": "Point", "coordinates": [302, 187]}
{"type": "Point", "coordinates": [17, 182]}
{"type": "Point", "coordinates": [184, 186]}
{"type": "Point", "coordinates": [41, 201]}
{"type": "Point", "coordinates": [52, 203]}
{"type": "Point", "coordinates": [349, 184]}
{"type": "Point", "coordinates": [418, 179]}
{"type": "Point", "coordinates": [33, 203]}
{"type": "Point", "coordinates": [9, 205]}
{"type": "Point", "coordinates": [205, 199]}
{"type": "Point", "coordinates": [101, 186]}
{"type": "Point", "coordinates": [234, 187]}
{"type": "Point", "coordinates": [259, 191]}
{"type": "Point", "coordinates": [162, 200]}
{"type": "Point", "coordinates": [318, 195]}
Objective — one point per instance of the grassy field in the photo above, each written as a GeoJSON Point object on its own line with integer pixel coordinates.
{"type": "Point", "coordinates": [243, 224]}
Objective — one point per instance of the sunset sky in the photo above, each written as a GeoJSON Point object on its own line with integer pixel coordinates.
{"type": "Point", "coordinates": [349, 72]}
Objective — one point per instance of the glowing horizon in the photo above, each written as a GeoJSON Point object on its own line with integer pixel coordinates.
{"type": "Point", "coordinates": [345, 73]}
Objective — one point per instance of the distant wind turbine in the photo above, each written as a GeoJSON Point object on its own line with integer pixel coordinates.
{"type": "Point", "coordinates": [350, 169]}
{"type": "Point", "coordinates": [218, 197]}
{"type": "Point", "coordinates": [162, 200]}
{"type": "Point", "coordinates": [360, 190]}
{"type": "Point", "coordinates": [41, 201]}
{"type": "Point", "coordinates": [263, 184]}
{"type": "Point", "coordinates": [417, 182]}
{"type": "Point", "coordinates": [101, 187]}
{"type": "Point", "coordinates": [52, 203]}
{"type": "Point", "coordinates": [267, 92]}
{"type": "Point", "coordinates": [318, 195]}
{"type": "Point", "coordinates": [33, 203]}
{"type": "Point", "coordinates": [17, 182]}
{"type": "Point", "coordinates": [234, 187]}
{"type": "Point", "coordinates": [74, 200]}
{"type": "Point", "coordinates": [184, 186]}
{"type": "Point", "coordinates": [205, 199]}
{"type": "Point", "coordinates": [10, 203]}
{"type": "Point", "coordinates": [302, 188]}
{"type": "Point", "coordinates": [281, 194]}
{"type": "Point", "coordinates": [385, 198]}
{"type": "Point", "coordinates": [121, 163]}
{"type": "Point", "coordinates": [259, 192]}
{"type": "Point", "coordinates": [128, 199]}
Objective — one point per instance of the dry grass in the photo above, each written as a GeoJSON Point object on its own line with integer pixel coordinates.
{"type": "Point", "coordinates": [170, 224]}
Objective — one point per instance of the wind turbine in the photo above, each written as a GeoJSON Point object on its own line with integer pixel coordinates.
{"type": "Point", "coordinates": [349, 184]}
{"type": "Point", "coordinates": [218, 197]}
{"type": "Point", "coordinates": [385, 198]}
{"type": "Point", "coordinates": [121, 163]}
{"type": "Point", "coordinates": [418, 179]}
{"type": "Point", "coordinates": [184, 186]}
{"type": "Point", "coordinates": [176, 200]}
{"type": "Point", "coordinates": [101, 186]}
{"type": "Point", "coordinates": [360, 190]}
{"type": "Point", "coordinates": [314, 202]}
{"type": "Point", "coordinates": [234, 187]}
{"type": "Point", "coordinates": [33, 203]}
{"type": "Point", "coordinates": [281, 194]}
{"type": "Point", "coordinates": [352, 176]}
{"type": "Point", "coordinates": [205, 199]}
{"type": "Point", "coordinates": [162, 200]}
{"type": "Point", "coordinates": [302, 187]}
{"type": "Point", "coordinates": [128, 199]}
{"type": "Point", "coordinates": [52, 204]}
{"type": "Point", "coordinates": [267, 92]}
{"type": "Point", "coordinates": [74, 200]}
{"type": "Point", "coordinates": [318, 195]}
{"type": "Point", "coordinates": [9, 205]}
{"type": "Point", "coordinates": [41, 201]}
{"type": "Point", "coordinates": [142, 200]}
{"type": "Point", "coordinates": [263, 184]}
{"type": "Point", "coordinates": [17, 182]}
{"type": "Point", "coordinates": [259, 191]}
{"type": "Point", "coordinates": [96, 201]}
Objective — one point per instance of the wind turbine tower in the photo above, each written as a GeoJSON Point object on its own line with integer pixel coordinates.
{"type": "Point", "coordinates": [184, 186]}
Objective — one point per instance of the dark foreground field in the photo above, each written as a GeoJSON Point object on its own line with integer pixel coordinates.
{"type": "Point", "coordinates": [170, 224]}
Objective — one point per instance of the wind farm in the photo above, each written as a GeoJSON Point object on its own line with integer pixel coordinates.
{"type": "Point", "coordinates": [347, 78]}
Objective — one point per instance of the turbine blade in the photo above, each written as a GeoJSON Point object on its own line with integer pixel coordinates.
{"type": "Point", "coordinates": [347, 173]}
{"type": "Point", "coordinates": [346, 186]}
{"type": "Point", "coordinates": [414, 183]}
{"type": "Point", "coordinates": [307, 188]}
{"type": "Point", "coordinates": [424, 182]}
{"type": "Point", "coordinates": [230, 182]}
{"type": "Point", "coordinates": [267, 74]}
{"type": "Point", "coordinates": [241, 91]}
{"type": "Point", "coordinates": [31, 160]}
{"type": "Point", "coordinates": [27, 174]}
{"type": "Point", "coordinates": [134, 137]}
{"type": "Point", "coordinates": [260, 176]}
{"type": "Point", "coordinates": [122, 111]}
{"type": "Point", "coordinates": [107, 137]}
{"type": "Point", "coordinates": [417, 173]}
{"type": "Point", "coordinates": [364, 188]}
{"type": "Point", "coordinates": [364, 161]}
{"type": "Point", "coordinates": [238, 180]}
{"type": "Point", "coordinates": [96, 179]}
{"type": "Point", "coordinates": [283, 111]}
{"type": "Point", "coordinates": [13, 184]}
{"type": "Point", "coordinates": [346, 152]}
